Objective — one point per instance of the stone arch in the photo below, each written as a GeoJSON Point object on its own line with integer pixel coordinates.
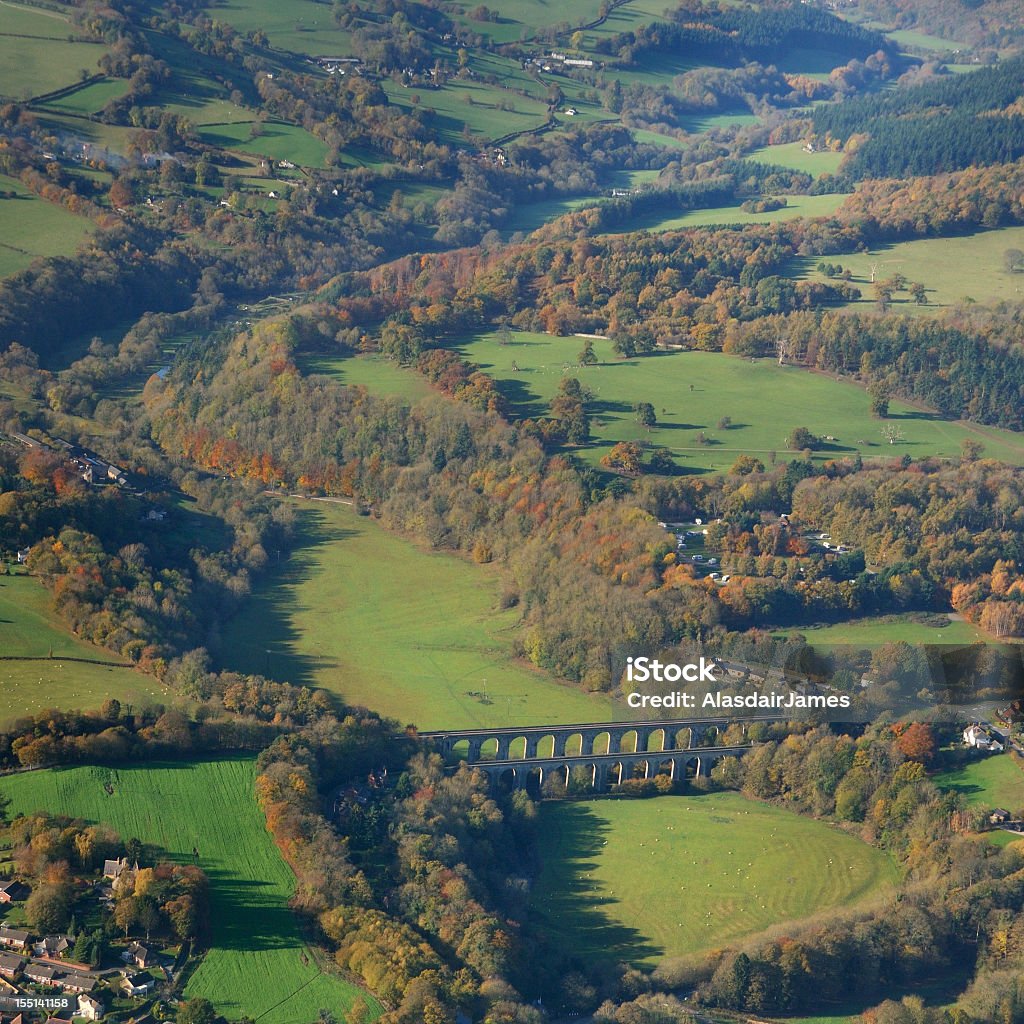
{"type": "Point", "coordinates": [573, 744]}
{"type": "Point", "coordinates": [629, 741]}
{"type": "Point", "coordinates": [517, 748]}
{"type": "Point", "coordinates": [660, 739]}
{"type": "Point", "coordinates": [710, 736]}
{"type": "Point", "coordinates": [691, 768]}
{"type": "Point", "coordinates": [533, 781]}
{"type": "Point", "coordinates": [616, 772]}
{"type": "Point", "coordinates": [540, 746]}
{"type": "Point", "coordinates": [507, 780]}
{"type": "Point", "coordinates": [601, 743]}
{"type": "Point", "coordinates": [665, 766]}
{"type": "Point", "coordinates": [489, 749]}
{"type": "Point", "coordinates": [460, 750]}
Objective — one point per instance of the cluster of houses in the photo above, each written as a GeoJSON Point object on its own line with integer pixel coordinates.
{"type": "Point", "coordinates": [555, 61]}
{"type": "Point", "coordinates": [46, 961]}
{"type": "Point", "coordinates": [336, 65]}
{"type": "Point", "coordinates": [91, 466]}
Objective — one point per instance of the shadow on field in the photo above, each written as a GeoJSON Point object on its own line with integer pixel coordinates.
{"type": "Point", "coordinates": [250, 914]}
{"type": "Point", "coordinates": [261, 639]}
{"type": "Point", "coordinates": [570, 911]}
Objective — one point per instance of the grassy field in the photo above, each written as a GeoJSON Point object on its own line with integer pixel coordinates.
{"type": "Point", "coordinates": [889, 629]}
{"type": "Point", "coordinates": [91, 98]}
{"type": "Point", "coordinates": [412, 634]}
{"type": "Point", "coordinates": [796, 206]}
{"type": "Point", "coordinates": [255, 964]}
{"type": "Point", "coordinates": [276, 140]}
{"type": "Point", "coordinates": [113, 137]}
{"type": "Point", "coordinates": [765, 401]}
{"type": "Point", "coordinates": [951, 269]}
{"type": "Point", "coordinates": [300, 28]}
{"type": "Point", "coordinates": [996, 781]}
{"type": "Point", "coordinates": [379, 375]}
{"type": "Point", "coordinates": [29, 630]}
{"type": "Point", "coordinates": [521, 18]}
{"type": "Point", "coordinates": [792, 155]}
{"type": "Point", "coordinates": [717, 867]}
{"type": "Point", "coordinates": [472, 103]}
{"type": "Point", "coordinates": [31, 227]}
{"type": "Point", "coordinates": [35, 54]}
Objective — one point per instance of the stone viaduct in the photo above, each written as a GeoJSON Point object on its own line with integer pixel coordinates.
{"type": "Point", "coordinates": [640, 749]}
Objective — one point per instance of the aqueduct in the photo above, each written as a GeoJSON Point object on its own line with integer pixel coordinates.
{"type": "Point", "coordinates": [632, 749]}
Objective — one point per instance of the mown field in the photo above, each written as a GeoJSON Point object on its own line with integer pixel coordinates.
{"type": "Point", "coordinates": [36, 56]}
{"type": "Point", "coordinates": [31, 227]}
{"type": "Point", "coordinates": [473, 104]}
{"type": "Point", "coordinates": [792, 155]}
{"type": "Point", "coordinates": [305, 28]}
{"type": "Point", "coordinates": [996, 781]}
{"type": "Point", "coordinates": [416, 635]}
{"type": "Point", "coordinates": [889, 629]}
{"type": "Point", "coordinates": [91, 98]}
{"type": "Point", "coordinates": [764, 400]}
{"type": "Point", "coordinates": [717, 867]}
{"type": "Point", "coordinates": [258, 964]}
{"type": "Point", "coordinates": [957, 269]}
{"type": "Point", "coordinates": [274, 139]}
{"type": "Point", "coordinates": [379, 375]}
{"type": "Point", "coordinates": [796, 206]}
{"type": "Point", "coordinates": [519, 19]}
{"type": "Point", "coordinates": [29, 630]}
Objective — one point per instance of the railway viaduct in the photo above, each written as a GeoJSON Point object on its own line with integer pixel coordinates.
{"type": "Point", "coordinates": [633, 749]}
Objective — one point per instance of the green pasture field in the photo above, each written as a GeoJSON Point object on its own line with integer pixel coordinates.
{"type": "Point", "coordinates": [811, 62]}
{"type": "Point", "coordinates": [796, 206]}
{"type": "Point", "coordinates": [521, 18]}
{"type": "Point", "coordinates": [657, 68]}
{"type": "Point", "coordinates": [765, 401]}
{"type": "Point", "coordinates": [452, 109]}
{"type": "Point", "coordinates": [994, 781]}
{"type": "Point", "coordinates": [258, 964]}
{"type": "Point", "coordinates": [628, 18]}
{"type": "Point", "coordinates": [531, 216]}
{"type": "Point", "coordinates": [888, 629]}
{"type": "Point", "coordinates": [380, 376]}
{"type": "Point", "coordinates": [277, 140]}
{"type": "Point", "coordinates": [956, 269]}
{"type": "Point", "coordinates": [718, 868]}
{"type": "Point", "coordinates": [28, 629]}
{"type": "Point", "coordinates": [104, 136]}
{"type": "Point", "coordinates": [298, 28]}
{"type": "Point", "coordinates": [31, 227]}
{"type": "Point", "coordinates": [204, 107]}
{"type": "Point", "coordinates": [46, 61]}
{"type": "Point", "coordinates": [415, 635]}
{"type": "Point", "coordinates": [792, 155]}
{"type": "Point", "coordinates": [90, 98]}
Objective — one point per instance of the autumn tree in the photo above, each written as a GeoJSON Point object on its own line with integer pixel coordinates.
{"type": "Point", "coordinates": [624, 458]}
{"type": "Point", "coordinates": [917, 742]}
